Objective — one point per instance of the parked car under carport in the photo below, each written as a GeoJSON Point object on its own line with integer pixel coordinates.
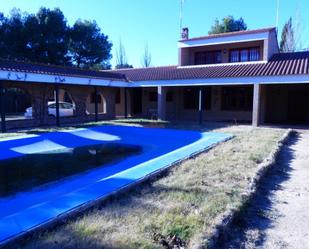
{"type": "Point", "coordinates": [66, 109]}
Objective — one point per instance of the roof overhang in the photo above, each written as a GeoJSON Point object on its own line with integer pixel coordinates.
{"type": "Point", "coordinates": [84, 81]}
{"type": "Point", "coordinates": [289, 79]}
{"type": "Point", "coordinates": [223, 64]}
{"type": "Point", "coordinates": [223, 40]}
{"type": "Point", "coordinates": [59, 79]}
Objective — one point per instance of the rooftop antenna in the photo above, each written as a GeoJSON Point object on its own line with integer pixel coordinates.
{"type": "Point", "coordinates": [180, 15]}
{"type": "Point", "coordinates": [277, 17]}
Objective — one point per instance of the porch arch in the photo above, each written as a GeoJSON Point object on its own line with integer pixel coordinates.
{"type": "Point", "coordinates": [90, 103]}
{"type": "Point", "coordinates": [17, 100]}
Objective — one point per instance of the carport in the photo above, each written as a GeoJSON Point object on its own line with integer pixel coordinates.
{"type": "Point", "coordinates": [287, 104]}
{"type": "Point", "coordinates": [92, 92]}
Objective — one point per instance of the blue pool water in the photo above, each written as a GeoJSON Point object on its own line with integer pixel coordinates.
{"type": "Point", "coordinates": [160, 148]}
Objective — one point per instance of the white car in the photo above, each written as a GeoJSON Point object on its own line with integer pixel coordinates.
{"type": "Point", "coordinates": [65, 109]}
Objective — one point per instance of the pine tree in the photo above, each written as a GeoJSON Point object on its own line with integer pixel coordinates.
{"type": "Point", "coordinates": [228, 24]}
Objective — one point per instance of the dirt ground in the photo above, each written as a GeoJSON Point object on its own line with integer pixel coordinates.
{"type": "Point", "coordinates": [278, 216]}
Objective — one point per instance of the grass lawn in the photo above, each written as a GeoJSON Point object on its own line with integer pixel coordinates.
{"type": "Point", "coordinates": [182, 207]}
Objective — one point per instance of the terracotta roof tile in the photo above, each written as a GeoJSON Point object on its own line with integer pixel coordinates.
{"type": "Point", "coordinates": [27, 67]}
{"type": "Point", "coordinates": [280, 64]}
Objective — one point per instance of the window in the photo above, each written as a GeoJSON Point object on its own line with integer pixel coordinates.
{"type": "Point", "coordinates": [254, 54]}
{"type": "Point", "coordinates": [245, 54]}
{"type": "Point", "coordinates": [153, 96]}
{"type": "Point", "coordinates": [237, 98]}
{"type": "Point", "coordinates": [234, 56]}
{"type": "Point", "coordinates": [92, 98]}
{"type": "Point", "coordinates": [66, 106]}
{"type": "Point", "coordinates": [117, 96]}
{"type": "Point", "coordinates": [191, 98]}
{"type": "Point", "coordinates": [211, 57]}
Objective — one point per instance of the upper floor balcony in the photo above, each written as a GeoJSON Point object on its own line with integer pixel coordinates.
{"type": "Point", "coordinates": [233, 47]}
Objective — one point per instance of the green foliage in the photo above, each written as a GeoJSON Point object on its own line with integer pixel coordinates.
{"type": "Point", "coordinates": [227, 24]}
{"type": "Point", "coordinates": [13, 39]}
{"type": "Point", "coordinates": [119, 66]}
{"type": "Point", "coordinates": [45, 37]}
{"type": "Point", "coordinates": [88, 46]}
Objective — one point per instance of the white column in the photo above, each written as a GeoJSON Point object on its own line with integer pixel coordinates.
{"type": "Point", "coordinates": [161, 103]}
{"type": "Point", "coordinates": [256, 105]}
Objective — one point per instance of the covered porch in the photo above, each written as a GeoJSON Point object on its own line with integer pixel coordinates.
{"type": "Point", "coordinates": [256, 103]}
{"type": "Point", "coordinates": [48, 104]}
{"type": "Point", "coordinates": [208, 103]}
{"type": "Point", "coordinates": [33, 95]}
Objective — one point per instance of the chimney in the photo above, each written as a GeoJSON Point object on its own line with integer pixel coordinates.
{"type": "Point", "coordinates": [185, 33]}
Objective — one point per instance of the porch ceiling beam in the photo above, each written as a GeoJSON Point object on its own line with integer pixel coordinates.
{"type": "Point", "coordinates": [289, 79]}
{"type": "Point", "coordinates": [67, 80]}
{"type": "Point", "coordinates": [59, 79]}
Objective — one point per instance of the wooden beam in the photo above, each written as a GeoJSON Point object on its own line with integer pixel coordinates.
{"type": "Point", "coordinates": [125, 103]}
{"type": "Point", "coordinates": [57, 105]}
{"type": "Point", "coordinates": [200, 109]}
{"type": "Point", "coordinates": [256, 105]}
{"type": "Point", "coordinates": [161, 103]}
{"type": "Point", "coordinates": [96, 104]}
{"type": "Point", "coordinates": [2, 109]}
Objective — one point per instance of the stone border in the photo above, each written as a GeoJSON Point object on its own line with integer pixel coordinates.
{"type": "Point", "coordinates": [227, 219]}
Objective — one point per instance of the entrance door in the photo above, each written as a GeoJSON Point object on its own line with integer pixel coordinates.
{"type": "Point", "coordinates": [297, 107]}
{"type": "Point", "coordinates": [137, 100]}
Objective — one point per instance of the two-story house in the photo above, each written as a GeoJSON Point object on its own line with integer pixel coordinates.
{"type": "Point", "coordinates": [237, 76]}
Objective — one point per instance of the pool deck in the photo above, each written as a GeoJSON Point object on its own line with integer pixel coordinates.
{"type": "Point", "coordinates": [162, 148]}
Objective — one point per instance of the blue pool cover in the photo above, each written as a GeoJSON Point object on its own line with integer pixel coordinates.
{"type": "Point", "coordinates": [161, 148]}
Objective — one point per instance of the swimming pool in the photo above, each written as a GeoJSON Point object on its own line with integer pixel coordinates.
{"type": "Point", "coordinates": [26, 172]}
{"type": "Point", "coordinates": [160, 148]}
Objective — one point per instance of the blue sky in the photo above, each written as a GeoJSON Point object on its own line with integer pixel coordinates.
{"type": "Point", "coordinates": [156, 22]}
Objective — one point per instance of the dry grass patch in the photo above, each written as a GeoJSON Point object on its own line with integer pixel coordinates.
{"type": "Point", "coordinates": [181, 208]}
